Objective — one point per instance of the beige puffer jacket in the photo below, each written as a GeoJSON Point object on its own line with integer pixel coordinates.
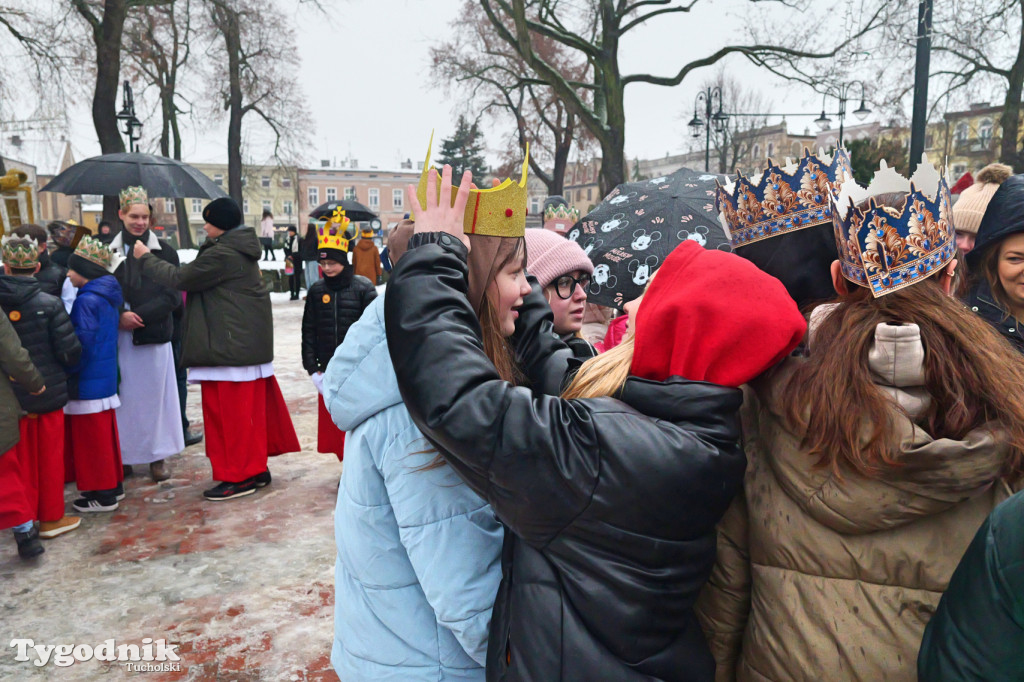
{"type": "Point", "coordinates": [825, 579]}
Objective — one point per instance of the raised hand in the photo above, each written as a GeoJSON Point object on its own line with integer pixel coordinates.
{"type": "Point", "coordinates": [440, 215]}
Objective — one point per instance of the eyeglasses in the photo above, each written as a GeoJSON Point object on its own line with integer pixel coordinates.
{"type": "Point", "coordinates": [566, 284]}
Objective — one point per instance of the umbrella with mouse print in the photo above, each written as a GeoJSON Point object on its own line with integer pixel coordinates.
{"type": "Point", "coordinates": [628, 235]}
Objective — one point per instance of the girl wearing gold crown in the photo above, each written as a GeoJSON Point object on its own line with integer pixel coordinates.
{"type": "Point", "coordinates": [872, 461]}
{"type": "Point", "coordinates": [609, 496]}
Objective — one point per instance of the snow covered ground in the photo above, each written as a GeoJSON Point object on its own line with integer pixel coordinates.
{"type": "Point", "coordinates": [189, 255]}
{"type": "Point", "coordinates": [244, 588]}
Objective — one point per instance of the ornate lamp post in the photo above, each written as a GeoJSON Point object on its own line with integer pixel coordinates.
{"type": "Point", "coordinates": [842, 93]}
{"type": "Point", "coordinates": [132, 125]}
{"type": "Point", "coordinates": [715, 120]}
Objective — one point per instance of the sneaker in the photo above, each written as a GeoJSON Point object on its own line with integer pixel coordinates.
{"type": "Point", "coordinates": [118, 492]}
{"type": "Point", "coordinates": [28, 544]}
{"type": "Point", "coordinates": [193, 436]}
{"type": "Point", "coordinates": [51, 529]}
{"type": "Point", "coordinates": [96, 503]}
{"type": "Point", "coordinates": [158, 472]}
{"type": "Point", "coordinates": [262, 480]}
{"type": "Point", "coordinates": [229, 491]}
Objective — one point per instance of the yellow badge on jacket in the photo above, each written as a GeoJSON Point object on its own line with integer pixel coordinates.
{"type": "Point", "coordinates": [15, 316]}
{"type": "Point", "coordinates": [326, 298]}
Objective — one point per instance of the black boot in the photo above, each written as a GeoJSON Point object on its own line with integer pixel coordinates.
{"type": "Point", "coordinates": [29, 545]}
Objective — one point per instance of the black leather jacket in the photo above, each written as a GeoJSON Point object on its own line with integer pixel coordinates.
{"type": "Point", "coordinates": [612, 503]}
{"type": "Point", "coordinates": [981, 301]}
{"type": "Point", "coordinates": [47, 334]}
{"type": "Point", "coordinates": [50, 276]}
{"type": "Point", "coordinates": [150, 300]}
{"type": "Point", "coordinates": [332, 306]}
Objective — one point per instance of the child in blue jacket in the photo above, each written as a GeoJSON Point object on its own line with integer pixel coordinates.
{"type": "Point", "coordinates": [90, 421]}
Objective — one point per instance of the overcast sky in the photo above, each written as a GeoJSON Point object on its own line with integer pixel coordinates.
{"type": "Point", "coordinates": [365, 74]}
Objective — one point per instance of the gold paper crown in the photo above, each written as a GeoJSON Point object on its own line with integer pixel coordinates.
{"type": "Point", "coordinates": [331, 235]}
{"type": "Point", "coordinates": [133, 195]}
{"type": "Point", "coordinates": [20, 252]}
{"type": "Point", "coordinates": [95, 251]}
{"type": "Point", "coordinates": [497, 212]}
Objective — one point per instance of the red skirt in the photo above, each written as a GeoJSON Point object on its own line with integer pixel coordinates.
{"type": "Point", "coordinates": [329, 438]}
{"type": "Point", "coordinates": [14, 509]}
{"type": "Point", "coordinates": [41, 458]}
{"type": "Point", "coordinates": [245, 422]}
{"type": "Point", "coordinates": [91, 442]}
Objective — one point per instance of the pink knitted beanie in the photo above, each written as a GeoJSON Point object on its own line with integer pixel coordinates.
{"type": "Point", "coordinates": [550, 255]}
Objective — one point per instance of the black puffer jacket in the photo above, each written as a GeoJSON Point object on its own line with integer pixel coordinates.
{"type": "Point", "coordinates": [611, 504]}
{"type": "Point", "coordinates": [981, 301]}
{"type": "Point", "coordinates": [333, 304]}
{"type": "Point", "coordinates": [47, 334]}
{"type": "Point", "coordinates": [50, 276]}
{"type": "Point", "coordinates": [144, 296]}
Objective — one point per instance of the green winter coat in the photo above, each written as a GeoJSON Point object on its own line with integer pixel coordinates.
{"type": "Point", "coordinates": [977, 633]}
{"type": "Point", "coordinates": [228, 320]}
{"type": "Point", "coordinates": [15, 365]}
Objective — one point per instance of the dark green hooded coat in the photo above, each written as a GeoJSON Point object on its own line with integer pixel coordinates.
{"type": "Point", "coordinates": [228, 321]}
{"type": "Point", "coordinates": [15, 364]}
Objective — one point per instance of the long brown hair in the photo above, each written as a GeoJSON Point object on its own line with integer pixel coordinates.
{"type": "Point", "coordinates": [970, 372]}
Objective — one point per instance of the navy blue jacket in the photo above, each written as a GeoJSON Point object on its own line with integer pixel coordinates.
{"type": "Point", "coordinates": [95, 316]}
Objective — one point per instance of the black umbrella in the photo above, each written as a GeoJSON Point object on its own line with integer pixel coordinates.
{"type": "Point", "coordinates": [110, 173]}
{"type": "Point", "coordinates": [354, 211]}
{"type": "Point", "coordinates": [629, 234]}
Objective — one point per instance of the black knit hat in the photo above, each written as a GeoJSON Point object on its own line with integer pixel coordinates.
{"type": "Point", "coordinates": [86, 268]}
{"type": "Point", "coordinates": [336, 255]}
{"type": "Point", "coordinates": [223, 214]}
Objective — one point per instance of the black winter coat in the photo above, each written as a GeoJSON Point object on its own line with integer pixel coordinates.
{"type": "Point", "coordinates": [47, 334]}
{"type": "Point", "coordinates": [333, 304]}
{"type": "Point", "coordinates": [50, 276]}
{"type": "Point", "coordinates": [981, 301]}
{"type": "Point", "coordinates": [144, 296]}
{"type": "Point", "coordinates": [612, 504]}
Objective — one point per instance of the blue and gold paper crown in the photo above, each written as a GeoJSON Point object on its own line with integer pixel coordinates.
{"type": "Point", "coordinates": [331, 235]}
{"type": "Point", "coordinates": [785, 199]}
{"type": "Point", "coordinates": [886, 249]}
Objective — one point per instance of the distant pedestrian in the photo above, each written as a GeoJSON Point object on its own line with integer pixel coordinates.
{"type": "Point", "coordinates": [366, 257]}
{"type": "Point", "coordinates": [105, 232]}
{"type": "Point", "coordinates": [292, 248]}
{"type": "Point", "coordinates": [970, 207]}
{"type": "Point", "coordinates": [267, 235]}
{"type": "Point", "coordinates": [310, 256]}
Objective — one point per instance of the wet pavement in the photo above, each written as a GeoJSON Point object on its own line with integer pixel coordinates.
{"type": "Point", "coordinates": [243, 589]}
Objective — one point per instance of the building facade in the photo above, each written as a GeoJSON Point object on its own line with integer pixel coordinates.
{"type": "Point", "coordinates": [380, 190]}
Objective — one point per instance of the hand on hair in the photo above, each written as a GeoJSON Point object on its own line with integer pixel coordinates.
{"type": "Point", "coordinates": [439, 215]}
{"type": "Point", "coordinates": [140, 249]}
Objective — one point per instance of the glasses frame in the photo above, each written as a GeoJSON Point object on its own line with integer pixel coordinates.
{"type": "Point", "coordinates": [575, 282]}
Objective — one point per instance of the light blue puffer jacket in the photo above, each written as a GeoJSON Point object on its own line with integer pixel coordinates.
{"type": "Point", "coordinates": [418, 552]}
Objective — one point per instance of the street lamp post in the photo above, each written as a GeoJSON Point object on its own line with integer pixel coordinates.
{"type": "Point", "coordinates": [711, 119]}
{"type": "Point", "coordinates": [842, 93]}
{"type": "Point", "coordinates": [132, 125]}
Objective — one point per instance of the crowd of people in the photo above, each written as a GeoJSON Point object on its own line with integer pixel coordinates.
{"type": "Point", "coordinates": [798, 460]}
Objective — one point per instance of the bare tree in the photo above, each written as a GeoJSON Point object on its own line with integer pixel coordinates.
{"type": "Point", "coordinates": [604, 115]}
{"type": "Point", "coordinates": [157, 44]}
{"type": "Point", "coordinates": [256, 68]}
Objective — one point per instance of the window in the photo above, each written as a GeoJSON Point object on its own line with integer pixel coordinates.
{"type": "Point", "coordinates": [534, 205]}
{"type": "Point", "coordinates": [959, 169]}
{"type": "Point", "coordinates": [350, 193]}
{"type": "Point", "coordinates": [985, 132]}
{"type": "Point", "coordinates": [265, 182]}
{"type": "Point", "coordinates": [797, 150]}
{"type": "Point", "coordinates": [286, 181]}
{"type": "Point", "coordinates": [961, 132]}
{"type": "Point", "coordinates": [197, 206]}
{"type": "Point", "coordinates": [771, 149]}
{"type": "Point", "coordinates": [267, 205]}
{"type": "Point", "coordinates": [374, 198]}
{"type": "Point", "coordinates": [245, 206]}
{"type": "Point", "coordinates": [757, 152]}
{"type": "Point", "coordinates": [590, 193]}
{"type": "Point", "coordinates": [332, 194]}
{"type": "Point", "coordinates": [288, 208]}
{"type": "Point", "coordinates": [313, 196]}
{"type": "Point", "coordinates": [218, 179]}
{"type": "Point", "coordinates": [397, 199]}
{"type": "Point", "coordinates": [169, 205]}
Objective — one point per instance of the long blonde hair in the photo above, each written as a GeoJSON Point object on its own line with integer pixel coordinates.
{"type": "Point", "coordinates": [605, 374]}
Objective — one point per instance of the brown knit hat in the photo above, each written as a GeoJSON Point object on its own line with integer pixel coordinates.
{"type": "Point", "coordinates": [970, 207]}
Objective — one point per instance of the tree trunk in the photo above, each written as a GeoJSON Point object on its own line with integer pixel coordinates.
{"type": "Point", "coordinates": [1010, 120]}
{"type": "Point", "coordinates": [233, 44]}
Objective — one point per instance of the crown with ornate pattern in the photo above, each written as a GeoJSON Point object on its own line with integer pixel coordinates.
{"type": "Point", "coordinates": [886, 249]}
{"type": "Point", "coordinates": [497, 211]}
{"type": "Point", "coordinates": [19, 252]}
{"type": "Point", "coordinates": [95, 251]}
{"type": "Point", "coordinates": [331, 235]}
{"type": "Point", "coordinates": [785, 198]}
{"type": "Point", "coordinates": [560, 217]}
{"type": "Point", "coordinates": [133, 195]}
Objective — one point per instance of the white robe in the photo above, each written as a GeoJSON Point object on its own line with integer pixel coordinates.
{"type": "Point", "coordinates": [149, 419]}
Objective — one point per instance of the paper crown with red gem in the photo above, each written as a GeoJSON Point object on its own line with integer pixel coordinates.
{"type": "Point", "coordinates": [886, 249]}
{"type": "Point", "coordinates": [497, 211]}
{"type": "Point", "coordinates": [784, 199]}
{"type": "Point", "coordinates": [332, 234]}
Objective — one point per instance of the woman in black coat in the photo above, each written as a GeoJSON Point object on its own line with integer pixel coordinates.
{"type": "Point", "coordinates": [610, 502]}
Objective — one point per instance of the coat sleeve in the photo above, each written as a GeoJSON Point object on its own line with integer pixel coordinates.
{"type": "Point", "coordinates": [724, 604]}
{"type": "Point", "coordinates": [454, 548]}
{"type": "Point", "coordinates": [542, 356]}
{"type": "Point", "coordinates": [377, 267]}
{"type": "Point", "coordinates": [14, 359]}
{"type": "Point", "coordinates": [534, 459]}
{"type": "Point", "coordinates": [309, 332]}
{"type": "Point", "coordinates": [205, 272]}
{"type": "Point", "coordinates": [167, 301]}
{"type": "Point", "coordinates": [367, 295]}
{"type": "Point", "coordinates": [86, 323]}
{"type": "Point", "coordinates": [67, 348]}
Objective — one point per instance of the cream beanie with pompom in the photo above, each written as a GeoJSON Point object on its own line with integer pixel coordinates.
{"type": "Point", "coordinates": [970, 207]}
